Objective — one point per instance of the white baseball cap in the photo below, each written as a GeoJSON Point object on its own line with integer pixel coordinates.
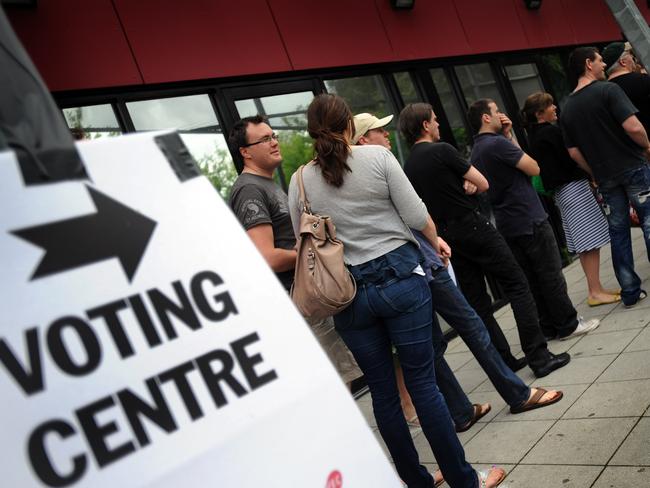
{"type": "Point", "coordinates": [365, 122]}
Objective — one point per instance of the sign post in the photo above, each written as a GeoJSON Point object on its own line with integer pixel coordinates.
{"type": "Point", "coordinates": [144, 340]}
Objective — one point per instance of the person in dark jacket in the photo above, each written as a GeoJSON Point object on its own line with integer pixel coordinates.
{"type": "Point", "coordinates": [584, 224]}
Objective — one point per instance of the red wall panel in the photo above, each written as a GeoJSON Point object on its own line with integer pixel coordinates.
{"type": "Point", "coordinates": [547, 26]}
{"type": "Point", "coordinates": [334, 33]}
{"type": "Point", "coordinates": [199, 39]}
{"type": "Point", "coordinates": [79, 44]}
{"type": "Point", "coordinates": [591, 21]}
{"type": "Point", "coordinates": [430, 30]}
{"type": "Point", "coordinates": [492, 25]}
{"type": "Point", "coordinates": [76, 44]}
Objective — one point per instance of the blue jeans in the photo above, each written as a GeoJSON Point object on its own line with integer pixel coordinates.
{"type": "Point", "coordinates": [450, 303]}
{"type": "Point", "coordinates": [391, 310]}
{"type": "Point", "coordinates": [631, 187]}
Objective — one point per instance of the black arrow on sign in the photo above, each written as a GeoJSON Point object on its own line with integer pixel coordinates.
{"type": "Point", "coordinates": [114, 231]}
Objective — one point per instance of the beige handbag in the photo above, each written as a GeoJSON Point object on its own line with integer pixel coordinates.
{"type": "Point", "coordinates": [322, 284]}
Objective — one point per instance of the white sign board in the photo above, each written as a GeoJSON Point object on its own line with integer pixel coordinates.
{"type": "Point", "coordinates": [144, 341]}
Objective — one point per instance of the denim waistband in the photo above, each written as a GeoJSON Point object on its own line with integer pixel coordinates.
{"type": "Point", "coordinates": [396, 264]}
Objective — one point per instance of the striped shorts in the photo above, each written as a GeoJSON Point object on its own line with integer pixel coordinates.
{"type": "Point", "coordinates": [585, 226]}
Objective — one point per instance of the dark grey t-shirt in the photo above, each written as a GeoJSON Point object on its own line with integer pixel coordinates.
{"type": "Point", "coordinates": [257, 200]}
{"type": "Point", "coordinates": [592, 121]}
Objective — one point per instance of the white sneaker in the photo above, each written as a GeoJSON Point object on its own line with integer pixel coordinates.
{"type": "Point", "coordinates": [584, 326]}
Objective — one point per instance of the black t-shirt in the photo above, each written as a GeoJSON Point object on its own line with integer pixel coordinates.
{"type": "Point", "coordinates": [257, 200]}
{"type": "Point", "coordinates": [515, 203]}
{"type": "Point", "coordinates": [436, 172]}
{"type": "Point", "coordinates": [637, 88]}
{"type": "Point", "coordinates": [592, 121]}
{"type": "Point", "coordinates": [547, 148]}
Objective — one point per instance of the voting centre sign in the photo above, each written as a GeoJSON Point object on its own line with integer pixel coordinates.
{"type": "Point", "coordinates": [145, 342]}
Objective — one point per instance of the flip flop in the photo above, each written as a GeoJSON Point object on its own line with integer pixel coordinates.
{"type": "Point", "coordinates": [478, 415]}
{"type": "Point", "coordinates": [483, 477]}
{"type": "Point", "coordinates": [413, 422]}
{"type": "Point", "coordinates": [439, 482]}
{"type": "Point", "coordinates": [593, 302]}
{"type": "Point", "coordinates": [534, 401]}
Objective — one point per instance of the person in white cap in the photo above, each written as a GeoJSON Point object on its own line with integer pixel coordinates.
{"type": "Point", "coordinates": [369, 129]}
{"type": "Point", "coordinates": [448, 301]}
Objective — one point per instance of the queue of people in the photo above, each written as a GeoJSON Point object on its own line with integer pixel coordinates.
{"type": "Point", "coordinates": [400, 226]}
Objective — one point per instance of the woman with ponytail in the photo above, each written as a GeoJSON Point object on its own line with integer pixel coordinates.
{"type": "Point", "coordinates": [372, 204]}
{"type": "Point", "coordinates": [584, 224]}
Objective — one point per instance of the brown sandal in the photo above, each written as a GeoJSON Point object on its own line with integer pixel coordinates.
{"type": "Point", "coordinates": [534, 401]}
{"type": "Point", "coordinates": [478, 415]}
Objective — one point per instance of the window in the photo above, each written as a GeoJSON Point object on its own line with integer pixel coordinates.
{"type": "Point", "coordinates": [524, 80]}
{"type": "Point", "coordinates": [453, 110]}
{"type": "Point", "coordinates": [92, 121]}
{"type": "Point", "coordinates": [557, 76]}
{"type": "Point", "coordinates": [406, 88]}
{"type": "Point", "coordinates": [287, 115]}
{"type": "Point", "coordinates": [477, 82]}
{"type": "Point", "coordinates": [197, 124]}
{"type": "Point", "coordinates": [368, 94]}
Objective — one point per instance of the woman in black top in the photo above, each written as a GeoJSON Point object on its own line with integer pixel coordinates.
{"type": "Point", "coordinates": [583, 221]}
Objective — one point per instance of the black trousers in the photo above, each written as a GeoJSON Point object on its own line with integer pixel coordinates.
{"type": "Point", "coordinates": [478, 248]}
{"type": "Point", "coordinates": [539, 257]}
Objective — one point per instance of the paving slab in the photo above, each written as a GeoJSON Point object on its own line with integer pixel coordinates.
{"type": "Point", "coordinates": [512, 336]}
{"type": "Point", "coordinates": [534, 476]}
{"type": "Point", "coordinates": [579, 371]}
{"type": "Point", "coordinates": [635, 451]}
{"type": "Point", "coordinates": [612, 399]}
{"type": "Point", "coordinates": [634, 318]}
{"type": "Point", "coordinates": [505, 442]}
{"type": "Point", "coordinates": [507, 322]}
{"type": "Point", "coordinates": [623, 477]}
{"type": "Point", "coordinates": [469, 379]}
{"type": "Point", "coordinates": [556, 346]}
{"type": "Point", "coordinates": [456, 345]}
{"type": "Point", "coordinates": [586, 311]}
{"type": "Point", "coordinates": [552, 412]}
{"type": "Point", "coordinates": [457, 360]}
{"type": "Point", "coordinates": [424, 449]}
{"type": "Point", "coordinates": [606, 343]}
{"type": "Point", "coordinates": [641, 342]}
{"type": "Point", "coordinates": [580, 441]}
{"type": "Point", "coordinates": [628, 366]}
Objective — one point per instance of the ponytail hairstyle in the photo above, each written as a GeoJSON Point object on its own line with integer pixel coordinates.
{"type": "Point", "coordinates": [535, 103]}
{"type": "Point", "coordinates": [330, 124]}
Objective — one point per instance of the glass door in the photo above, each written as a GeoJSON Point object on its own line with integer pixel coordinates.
{"type": "Point", "coordinates": [285, 107]}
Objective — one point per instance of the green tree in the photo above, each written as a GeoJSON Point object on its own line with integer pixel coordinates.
{"type": "Point", "coordinates": [220, 170]}
{"type": "Point", "coordinates": [297, 149]}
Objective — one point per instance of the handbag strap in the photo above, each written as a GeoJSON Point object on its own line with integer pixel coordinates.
{"type": "Point", "coordinates": [306, 207]}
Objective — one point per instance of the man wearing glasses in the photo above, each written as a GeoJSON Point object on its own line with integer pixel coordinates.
{"type": "Point", "coordinates": [623, 69]}
{"type": "Point", "coordinates": [262, 208]}
{"type": "Point", "coordinates": [257, 201]}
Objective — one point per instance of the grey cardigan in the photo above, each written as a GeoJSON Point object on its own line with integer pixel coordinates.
{"type": "Point", "coordinates": [372, 210]}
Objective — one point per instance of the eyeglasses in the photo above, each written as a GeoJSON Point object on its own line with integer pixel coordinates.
{"type": "Point", "coordinates": [263, 140]}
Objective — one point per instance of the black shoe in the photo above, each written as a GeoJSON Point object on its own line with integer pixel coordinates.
{"type": "Point", "coordinates": [516, 364]}
{"type": "Point", "coordinates": [552, 363]}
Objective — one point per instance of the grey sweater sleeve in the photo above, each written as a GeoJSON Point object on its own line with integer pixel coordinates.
{"type": "Point", "coordinates": [408, 204]}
